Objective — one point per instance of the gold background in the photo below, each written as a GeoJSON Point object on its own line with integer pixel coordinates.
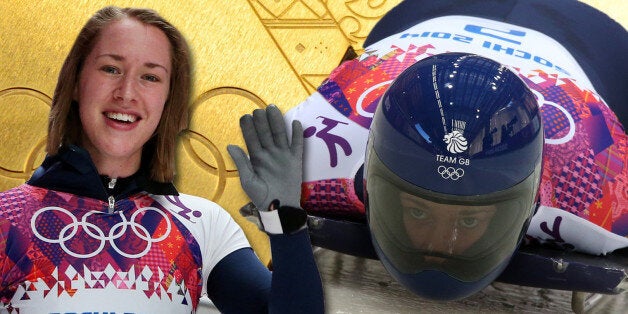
{"type": "Point", "coordinates": [247, 53]}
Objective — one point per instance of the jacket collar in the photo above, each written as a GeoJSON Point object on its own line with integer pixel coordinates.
{"type": "Point", "coordinates": [73, 171]}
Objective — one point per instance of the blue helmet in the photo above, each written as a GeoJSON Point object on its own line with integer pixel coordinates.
{"type": "Point", "coordinates": [452, 172]}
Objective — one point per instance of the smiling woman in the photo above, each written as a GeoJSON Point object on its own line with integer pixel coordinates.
{"type": "Point", "coordinates": [133, 68]}
{"type": "Point", "coordinates": [122, 89]}
{"type": "Point", "coordinates": [103, 201]}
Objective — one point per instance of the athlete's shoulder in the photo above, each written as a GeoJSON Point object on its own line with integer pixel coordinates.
{"type": "Point", "coordinates": [197, 201]}
{"type": "Point", "coordinates": [20, 196]}
{"type": "Point", "coordinates": [191, 207]}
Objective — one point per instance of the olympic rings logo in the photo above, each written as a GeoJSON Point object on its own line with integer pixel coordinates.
{"type": "Point", "coordinates": [70, 230]}
{"type": "Point", "coordinates": [450, 172]}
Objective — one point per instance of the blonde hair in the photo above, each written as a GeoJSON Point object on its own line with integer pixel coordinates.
{"type": "Point", "coordinates": [64, 125]}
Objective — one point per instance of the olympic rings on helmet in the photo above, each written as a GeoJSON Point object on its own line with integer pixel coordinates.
{"type": "Point", "coordinates": [450, 172]}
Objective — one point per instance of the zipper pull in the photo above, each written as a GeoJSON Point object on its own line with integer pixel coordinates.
{"type": "Point", "coordinates": [112, 204]}
{"type": "Point", "coordinates": [112, 183]}
{"type": "Point", "coordinates": [112, 200]}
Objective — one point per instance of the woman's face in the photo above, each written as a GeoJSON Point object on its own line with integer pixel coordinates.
{"type": "Point", "coordinates": [122, 89]}
{"type": "Point", "coordinates": [443, 229]}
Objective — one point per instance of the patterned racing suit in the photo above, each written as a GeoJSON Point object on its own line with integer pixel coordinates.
{"type": "Point", "coordinates": [71, 244]}
{"type": "Point", "coordinates": [584, 198]}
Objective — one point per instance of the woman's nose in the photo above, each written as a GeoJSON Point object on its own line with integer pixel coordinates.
{"type": "Point", "coordinates": [443, 238]}
{"type": "Point", "coordinates": [126, 90]}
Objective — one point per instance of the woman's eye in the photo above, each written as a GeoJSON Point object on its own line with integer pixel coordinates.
{"type": "Point", "coordinates": [418, 213]}
{"type": "Point", "coordinates": [468, 222]}
{"type": "Point", "coordinates": [151, 78]}
{"type": "Point", "coordinates": [110, 69]}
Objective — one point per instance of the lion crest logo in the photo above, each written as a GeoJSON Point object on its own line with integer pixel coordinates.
{"type": "Point", "coordinates": [456, 143]}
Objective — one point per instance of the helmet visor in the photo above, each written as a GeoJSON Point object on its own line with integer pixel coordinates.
{"type": "Point", "coordinates": [464, 236]}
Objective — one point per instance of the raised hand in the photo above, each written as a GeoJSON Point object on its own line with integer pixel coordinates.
{"type": "Point", "coordinates": [274, 170]}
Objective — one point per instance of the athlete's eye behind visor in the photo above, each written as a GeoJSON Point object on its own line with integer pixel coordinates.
{"type": "Point", "coordinates": [466, 237]}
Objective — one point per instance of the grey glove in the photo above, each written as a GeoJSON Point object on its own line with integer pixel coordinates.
{"type": "Point", "coordinates": [275, 168]}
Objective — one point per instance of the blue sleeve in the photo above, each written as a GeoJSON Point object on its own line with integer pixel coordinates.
{"type": "Point", "coordinates": [297, 285]}
{"type": "Point", "coordinates": [240, 283]}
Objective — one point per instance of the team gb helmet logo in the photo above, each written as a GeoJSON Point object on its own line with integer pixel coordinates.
{"type": "Point", "coordinates": [456, 143]}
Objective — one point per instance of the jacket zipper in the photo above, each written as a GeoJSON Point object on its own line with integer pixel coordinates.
{"type": "Point", "coordinates": [111, 199]}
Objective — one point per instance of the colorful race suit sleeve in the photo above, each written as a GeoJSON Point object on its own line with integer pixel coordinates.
{"type": "Point", "coordinates": [584, 202]}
